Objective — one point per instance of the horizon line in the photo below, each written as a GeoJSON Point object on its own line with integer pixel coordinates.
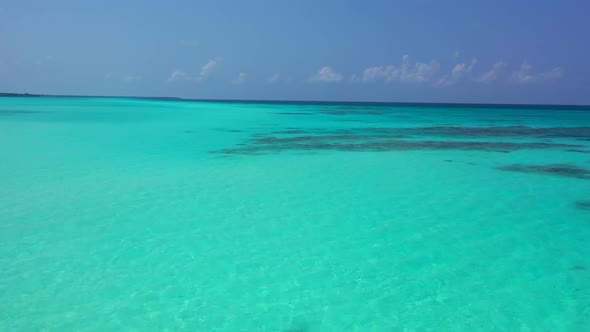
{"type": "Point", "coordinates": [311, 102]}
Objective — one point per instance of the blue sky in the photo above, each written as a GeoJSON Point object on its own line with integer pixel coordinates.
{"type": "Point", "coordinates": [427, 51]}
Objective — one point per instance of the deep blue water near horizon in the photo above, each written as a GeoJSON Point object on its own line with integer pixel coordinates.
{"type": "Point", "coordinates": [553, 107]}
{"type": "Point", "coordinates": [148, 214]}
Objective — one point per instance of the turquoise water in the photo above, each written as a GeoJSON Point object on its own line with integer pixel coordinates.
{"type": "Point", "coordinates": [152, 215]}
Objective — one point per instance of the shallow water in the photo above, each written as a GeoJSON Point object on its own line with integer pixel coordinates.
{"type": "Point", "coordinates": [131, 214]}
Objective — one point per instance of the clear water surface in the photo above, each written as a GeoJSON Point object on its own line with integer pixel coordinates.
{"type": "Point", "coordinates": [155, 215]}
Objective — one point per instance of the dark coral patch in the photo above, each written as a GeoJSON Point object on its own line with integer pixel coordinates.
{"type": "Point", "coordinates": [505, 131]}
{"type": "Point", "coordinates": [292, 132]}
{"type": "Point", "coordinates": [569, 171]}
{"type": "Point", "coordinates": [352, 143]}
{"type": "Point", "coordinates": [294, 113]}
{"type": "Point", "coordinates": [321, 139]}
{"type": "Point", "coordinates": [14, 112]}
{"type": "Point", "coordinates": [583, 205]}
{"type": "Point", "coordinates": [404, 139]}
{"type": "Point", "coordinates": [495, 120]}
{"type": "Point", "coordinates": [578, 133]}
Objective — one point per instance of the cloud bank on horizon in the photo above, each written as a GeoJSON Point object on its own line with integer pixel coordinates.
{"type": "Point", "coordinates": [407, 72]}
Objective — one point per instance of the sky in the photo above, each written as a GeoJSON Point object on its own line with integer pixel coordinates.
{"type": "Point", "coordinates": [463, 51]}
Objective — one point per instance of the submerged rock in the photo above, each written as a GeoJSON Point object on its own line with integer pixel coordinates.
{"type": "Point", "coordinates": [376, 144]}
{"type": "Point", "coordinates": [584, 205]}
{"type": "Point", "coordinates": [563, 170]}
{"type": "Point", "coordinates": [16, 112]}
{"type": "Point", "coordinates": [405, 139]}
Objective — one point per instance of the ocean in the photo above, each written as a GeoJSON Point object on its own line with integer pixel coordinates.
{"type": "Point", "coordinates": [161, 215]}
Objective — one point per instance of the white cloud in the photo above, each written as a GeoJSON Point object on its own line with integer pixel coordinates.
{"type": "Point", "coordinates": [274, 78]}
{"type": "Point", "coordinates": [492, 74]}
{"type": "Point", "coordinates": [207, 69]}
{"type": "Point", "coordinates": [327, 74]}
{"type": "Point", "coordinates": [418, 73]}
{"type": "Point", "coordinates": [554, 73]}
{"type": "Point", "coordinates": [176, 75]}
{"type": "Point", "coordinates": [241, 78]}
{"type": "Point", "coordinates": [458, 72]}
{"type": "Point", "coordinates": [524, 75]}
{"type": "Point", "coordinates": [387, 74]}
